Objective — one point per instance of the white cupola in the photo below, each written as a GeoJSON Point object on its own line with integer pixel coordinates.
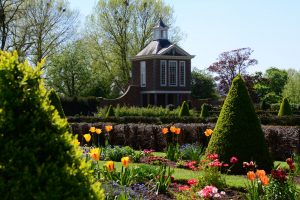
{"type": "Point", "coordinates": [160, 31]}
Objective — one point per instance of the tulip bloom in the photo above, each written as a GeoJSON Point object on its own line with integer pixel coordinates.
{"type": "Point", "coordinates": [108, 128]}
{"type": "Point", "coordinates": [92, 129]}
{"type": "Point", "coordinates": [233, 160]}
{"type": "Point", "coordinates": [110, 166]}
{"type": "Point", "coordinates": [125, 161]}
{"type": "Point", "coordinates": [95, 154]}
{"type": "Point", "coordinates": [208, 132]}
{"type": "Point", "coordinates": [264, 180]}
{"type": "Point", "coordinates": [172, 129]}
{"type": "Point", "coordinates": [251, 175]}
{"type": "Point", "coordinates": [87, 137]}
{"type": "Point", "coordinates": [260, 173]}
{"type": "Point", "coordinates": [98, 131]}
{"type": "Point", "coordinates": [177, 131]}
{"type": "Point", "coordinates": [164, 130]}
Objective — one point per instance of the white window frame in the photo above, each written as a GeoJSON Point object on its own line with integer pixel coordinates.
{"type": "Point", "coordinates": [170, 73]}
{"type": "Point", "coordinates": [182, 73]}
{"type": "Point", "coordinates": [143, 73]}
{"type": "Point", "coordinates": [163, 71]}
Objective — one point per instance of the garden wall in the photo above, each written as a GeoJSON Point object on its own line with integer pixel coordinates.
{"type": "Point", "coordinates": [282, 140]}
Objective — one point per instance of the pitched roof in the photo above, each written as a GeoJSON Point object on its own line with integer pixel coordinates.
{"type": "Point", "coordinates": [155, 47]}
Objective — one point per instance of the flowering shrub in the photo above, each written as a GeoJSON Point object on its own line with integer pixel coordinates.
{"type": "Point", "coordinates": [212, 168]}
{"type": "Point", "coordinates": [209, 192]}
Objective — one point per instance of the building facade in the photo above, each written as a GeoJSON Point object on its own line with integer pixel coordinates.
{"type": "Point", "coordinates": [162, 71]}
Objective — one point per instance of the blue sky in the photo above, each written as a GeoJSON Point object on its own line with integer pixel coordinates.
{"type": "Point", "coordinates": [270, 27]}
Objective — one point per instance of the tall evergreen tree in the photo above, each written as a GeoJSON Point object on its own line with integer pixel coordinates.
{"type": "Point", "coordinates": [238, 131]}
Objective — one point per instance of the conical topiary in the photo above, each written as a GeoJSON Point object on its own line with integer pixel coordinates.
{"type": "Point", "coordinates": [184, 110]}
{"type": "Point", "coordinates": [204, 111]}
{"type": "Point", "coordinates": [285, 108]}
{"type": "Point", "coordinates": [39, 158]}
{"type": "Point", "coordinates": [110, 112]}
{"type": "Point", "coordinates": [55, 101]}
{"type": "Point", "coordinates": [238, 131]}
{"type": "Point", "coordinates": [265, 105]}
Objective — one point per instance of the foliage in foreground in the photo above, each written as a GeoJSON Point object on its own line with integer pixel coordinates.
{"type": "Point", "coordinates": [238, 131]}
{"type": "Point", "coordinates": [39, 158]}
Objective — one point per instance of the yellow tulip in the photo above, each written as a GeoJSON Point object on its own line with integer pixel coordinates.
{"type": "Point", "coordinates": [172, 129]}
{"type": "Point", "coordinates": [108, 128]}
{"type": "Point", "coordinates": [87, 137]}
{"type": "Point", "coordinates": [92, 129]}
{"type": "Point", "coordinates": [98, 131]}
{"type": "Point", "coordinates": [110, 166]}
{"type": "Point", "coordinates": [95, 154]}
{"type": "Point", "coordinates": [125, 161]}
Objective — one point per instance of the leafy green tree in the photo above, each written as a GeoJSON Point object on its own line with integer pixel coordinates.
{"type": "Point", "coordinates": [270, 86]}
{"type": "Point", "coordinates": [202, 85]}
{"type": "Point", "coordinates": [118, 30]}
{"type": "Point", "coordinates": [292, 87]}
{"type": "Point", "coordinates": [51, 23]}
{"type": "Point", "coordinates": [285, 108]}
{"type": "Point", "coordinates": [238, 131]}
{"type": "Point", "coordinates": [39, 157]}
{"type": "Point", "coordinates": [70, 72]}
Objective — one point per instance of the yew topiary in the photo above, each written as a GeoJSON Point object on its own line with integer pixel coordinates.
{"type": "Point", "coordinates": [55, 101]}
{"type": "Point", "coordinates": [238, 131]}
{"type": "Point", "coordinates": [204, 111]}
{"type": "Point", "coordinates": [110, 112]}
{"type": "Point", "coordinates": [285, 108]}
{"type": "Point", "coordinates": [39, 158]}
{"type": "Point", "coordinates": [184, 110]}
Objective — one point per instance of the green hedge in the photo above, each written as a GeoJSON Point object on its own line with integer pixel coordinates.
{"type": "Point", "coordinates": [79, 105]}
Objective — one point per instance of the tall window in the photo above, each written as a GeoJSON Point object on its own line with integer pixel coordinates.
{"type": "Point", "coordinates": [172, 73]}
{"type": "Point", "coordinates": [163, 73]}
{"type": "Point", "coordinates": [182, 73]}
{"type": "Point", "coordinates": [143, 73]}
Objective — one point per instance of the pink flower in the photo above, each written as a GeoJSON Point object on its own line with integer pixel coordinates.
{"type": "Point", "coordinates": [208, 191]}
{"type": "Point", "coordinates": [233, 160]}
{"type": "Point", "coordinates": [225, 165]}
{"type": "Point", "coordinates": [192, 181]}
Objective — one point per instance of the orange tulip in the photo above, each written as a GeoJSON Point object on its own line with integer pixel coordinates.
{"type": "Point", "coordinates": [125, 161]}
{"type": "Point", "coordinates": [98, 131]}
{"type": "Point", "coordinates": [208, 132]}
{"type": "Point", "coordinates": [110, 165]}
{"type": "Point", "coordinates": [87, 137]}
{"type": "Point", "coordinates": [92, 129]}
{"type": "Point", "coordinates": [95, 154]}
{"type": "Point", "coordinates": [264, 180]}
{"type": "Point", "coordinates": [164, 130]}
{"type": "Point", "coordinates": [177, 131]}
{"type": "Point", "coordinates": [251, 175]}
{"type": "Point", "coordinates": [172, 129]}
{"type": "Point", "coordinates": [260, 173]}
{"type": "Point", "coordinates": [108, 128]}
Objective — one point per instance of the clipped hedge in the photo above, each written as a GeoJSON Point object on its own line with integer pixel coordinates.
{"type": "Point", "coordinates": [281, 140]}
{"type": "Point", "coordinates": [79, 105]}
